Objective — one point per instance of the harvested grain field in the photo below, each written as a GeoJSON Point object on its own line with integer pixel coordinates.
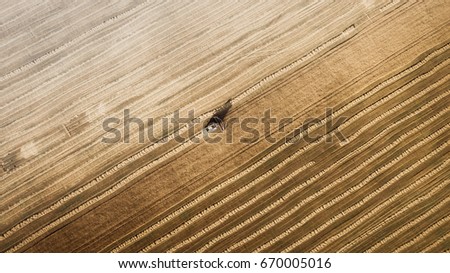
{"type": "Point", "coordinates": [356, 161]}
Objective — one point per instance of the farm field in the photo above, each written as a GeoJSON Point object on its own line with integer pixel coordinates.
{"type": "Point", "coordinates": [356, 160]}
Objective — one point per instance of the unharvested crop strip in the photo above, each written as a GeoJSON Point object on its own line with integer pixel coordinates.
{"type": "Point", "coordinates": [362, 202]}
{"type": "Point", "coordinates": [407, 226]}
{"type": "Point", "coordinates": [354, 188]}
{"type": "Point", "coordinates": [381, 206]}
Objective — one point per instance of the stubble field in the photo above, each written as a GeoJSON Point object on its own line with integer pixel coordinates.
{"type": "Point", "coordinates": [383, 66]}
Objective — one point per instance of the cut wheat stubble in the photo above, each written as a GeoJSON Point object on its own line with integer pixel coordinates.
{"type": "Point", "coordinates": [351, 190]}
{"type": "Point", "coordinates": [421, 77]}
{"type": "Point", "coordinates": [397, 107]}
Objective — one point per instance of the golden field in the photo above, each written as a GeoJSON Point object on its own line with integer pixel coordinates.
{"type": "Point", "coordinates": [383, 66]}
